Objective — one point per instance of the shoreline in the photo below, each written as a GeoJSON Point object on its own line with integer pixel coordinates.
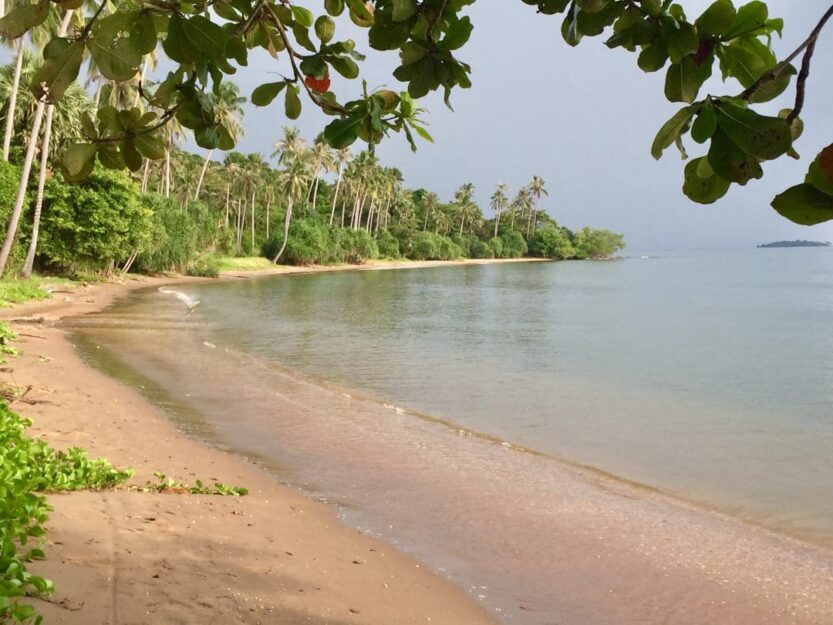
{"type": "Point", "coordinates": [122, 556]}
{"type": "Point", "coordinates": [679, 510]}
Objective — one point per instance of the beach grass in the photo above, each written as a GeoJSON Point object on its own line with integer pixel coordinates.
{"type": "Point", "coordinates": [17, 291]}
{"type": "Point", "coordinates": [243, 263]}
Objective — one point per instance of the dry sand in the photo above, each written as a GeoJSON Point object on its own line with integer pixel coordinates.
{"type": "Point", "coordinates": [131, 557]}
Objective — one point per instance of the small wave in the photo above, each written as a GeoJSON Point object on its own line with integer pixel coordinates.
{"type": "Point", "coordinates": [186, 299]}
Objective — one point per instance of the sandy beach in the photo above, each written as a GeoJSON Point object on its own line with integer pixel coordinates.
{"type": "Point", "coordinates": [596, 550]}
{"type": "Point", "coordinates": [123, 557]}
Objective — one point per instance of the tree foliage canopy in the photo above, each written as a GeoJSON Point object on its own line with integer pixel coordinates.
{"type": "Point", "coordinates": [207, 41]}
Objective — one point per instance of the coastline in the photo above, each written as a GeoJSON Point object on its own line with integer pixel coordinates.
{"type": "Point", "coordinates": [611, 538]}
{"type": "Point", "coordinates": [145, 557]}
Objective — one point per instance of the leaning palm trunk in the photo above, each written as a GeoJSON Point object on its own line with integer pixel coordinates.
{"type": "Point", "coordinates": [286, 221]}
{"type": "Point", "coordinates": [18, 69]}
{"type": "Point", "coordinates": [497, 221]}
{"type": "Point", "coordinates": [146, 176]}
{"type": "Point", "coordinates": [268, 206]}
{"type": "Point", "coordinates": [253, 222]}
{"type": "Point", "coordinates": [202, 174]}
{"type": "Point", "coordinates": [168, 168]}
{"type": "Point", "coordinates": [44, 163]}
{"type": "Point", "coordinates": [335, 195]}
{"type": "Point", "coordinates": [11, 229]}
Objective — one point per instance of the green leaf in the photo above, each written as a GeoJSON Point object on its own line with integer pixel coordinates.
{"type": "Point", "coordinates": [57, 73]}
{"type": "Point", "coordinates": [265, 94]}
{"type": "Point", "coordinates": [569, 27]}
{"type": "Point", "coordinates": [458, 34]}
{"type": "Point", "coordinates": [683, 80]}
{"type": "Point", "coordinates": [292, 102]}
{"type": "Point", "coordinates": [110, 156]}
{"type": "Point", "coordinates": [717, 19]}
{"type": "Point", "coordinates": [131, 155]}
{"type": "Point", "coordinates": [143, 34]}
{"type": "Point", "coordinates": [79, 160]}
{"type": "Point", "coordinates": [703, 189]}
{"type": "Point", "coordinates": [680, 41]}
{"type": "Point", "coordinates": [672, 130]}
{"type": "Point", "coordinates": [403, 10]}
{"type": "Point", "coordinates": [149, 146]}
{"type": "Point", "coordinates": [706, 123]}
{"type": "Point", "coordinates": [750, 17]}
{"type": "Point", "coordinates": [176, 45]}
{"type": "Point", "coordinates": [342, 132]}
{"type": "Point", "coordinates": [325, 28]}
{"type": "Point", "coordinates": [757, 135]}
{"type": "Point", "coordinates": [205, 35]}
{"type": "Point", "coordinates": [653, 58]}
{"type": "Point", "coordinates": [334, 7]}
{"type": "Point", "coordinates": [23, 18]}
{"type": "Point", "coordinates": [344, 66]}
{"type": "Point", "coordinates": [117, 60]}
{"type": "Point", "coordinates": [805, 205]}
{"type": "Point", "coordinates": [592, 6]}
{"type": "Point", "coordinates": [746, 59]}
{"type": "Point", "coordinates": [771, 89]}
{"type": "Point", "coordinates": [730, 162]}
{"type": "Point", "coordinates": [821, 171]}
{"type": "Point", "coordinates": [303, 16]}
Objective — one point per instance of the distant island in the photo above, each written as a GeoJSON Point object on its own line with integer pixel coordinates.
{"type": "Point", "coordinates": [796, 244]}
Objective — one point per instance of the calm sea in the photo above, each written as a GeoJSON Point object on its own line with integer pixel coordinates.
{"type": "Point", "coordinates": [708, 375]}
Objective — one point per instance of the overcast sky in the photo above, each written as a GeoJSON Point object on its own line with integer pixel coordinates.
{"type": "Point", "coordinates": [583, 119]}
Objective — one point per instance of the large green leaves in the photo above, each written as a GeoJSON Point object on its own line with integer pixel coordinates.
{"type": "Point", "coordinates": [60, 68]}
{"type": "Point", "coordinates": [684, 79]}
{"type": "Point", "coordinates": [804, 204]}
{"type": "Point", "coordinates": [702, 184]}
{"type": "Point", "coordinates": [763, 137]}
{"type": "Point", "coordinates": [23, 18]}
{"type": "Point", "coordinates": [672, 130]}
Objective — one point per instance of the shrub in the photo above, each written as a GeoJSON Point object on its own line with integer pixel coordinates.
{"type": "Point", "coordinates": [480, 249]}
{"type": "Point", "coordinates": [93, 225]}
{"type": "Point", "coordinates": [9, 180]}
{"type": "Point", "coordinates": [205, 267]}
{"type": "Point", "coordinates": [28, 468]}
{"type": "Point", "coordinates": [357, 246]}
{"type": "Point", "coordinates": [597, 243]}
{"type": "Point", "coordinates": [388, 245]}
{"type": "Point", "coordinates": [430, 246]}
{"type": "Point", "coordinates": [175, 238]}
{"type": "Point", "coordinates": [551, 242]}
{"type": "Point", "coordinates": [496, 246]}
{"type": "Point", "coordinates": [513, 244]}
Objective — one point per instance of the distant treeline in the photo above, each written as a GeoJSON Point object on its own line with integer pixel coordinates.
{"type": "Point", "coordinates": [796, 244]}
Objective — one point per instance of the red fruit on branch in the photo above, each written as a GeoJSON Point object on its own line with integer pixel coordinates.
{"type": "Point", "coordinates": [318, 85]}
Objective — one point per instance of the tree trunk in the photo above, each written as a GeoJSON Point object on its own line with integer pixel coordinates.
{"type": "Point", "coordinates": [286, 221]}
{"type": "Point", "coordinates": [228, 200]}
{"type": "Point", "coordinates": [335, 195]}
{"type": "Point", "coordinates": [497, 220]}
{"type": "Point", "coordinates": [268, 205]}
{"type": "Point", "coordinates": [11, 229]}
{"type": "Point", "coordinates": [146, 176]}
{"type": "Point", "coordinates": [425, 223]}
{"type": "Point", "coordinates": [168, 167]}
{"type": "Point", "coordinates": [44, 163]}
{"type": "Point", "coordinates": [462, 223]}
{"type": "Point", "coordinates": [18, 68]}
{"type": "Point", "coordinates": [253, 223]}
{"type": "Point", "coordinates": [202, 174]}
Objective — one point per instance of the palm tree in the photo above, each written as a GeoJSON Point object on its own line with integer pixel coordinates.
{"type": "Point", "coordinates": [39, 35]}
{"type": "Point", "coordinates": [322, 162]}
{"type": "Point", "coordinates": [499, 201]}
{"type": "Point", "coordinates": [290, 147]}
{"type": "Point", "coordinates": [342, 157]}
{"type": "Point", "coordinates": [463, 200]}
{"type": "Point", "coordinates": [536, 189]}
{"type": "Point", "coordinates": [293, 181]}
{"type": "Point", "coordinates": [11, 229]}
{"type": "Point", "coordinates": [228, 110]}
{"type": "Point", "coordinates": [430, 202]}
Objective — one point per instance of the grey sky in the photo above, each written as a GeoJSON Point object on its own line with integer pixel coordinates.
{"type": "Point", "coordinates": [582, 118]}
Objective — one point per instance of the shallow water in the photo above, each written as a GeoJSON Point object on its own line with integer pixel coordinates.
{"type": "Point", "coordinates": [705, 375]}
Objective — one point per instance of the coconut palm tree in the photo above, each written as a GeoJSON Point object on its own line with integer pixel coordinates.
{"type": "Point", "coordinates": [290, 147]}
{"type": "Point", "coordinates": [14, 220]}
{"type": "Point", "coordinates": [294, 181]}
{"type": "Point", "coordinates": [228, 112]}
{"type": "Point", "coordinates": [499, 201]}
{"type": "Point", "coordinates": [536, 188]}
{"type": "Point", "coordinates": [323, 161]}
{"type": "Point", "coordinates": [430, 202]}
{"type": "Point", "coordinates": [464, 202]}
{"type": "Point", "coordinates": [342, 157]}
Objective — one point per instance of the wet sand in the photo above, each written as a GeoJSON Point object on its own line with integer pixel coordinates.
{"type": "Point", "coordinates": [556, 543]}
{"type": "Point", "coordinates": [123, 557]}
